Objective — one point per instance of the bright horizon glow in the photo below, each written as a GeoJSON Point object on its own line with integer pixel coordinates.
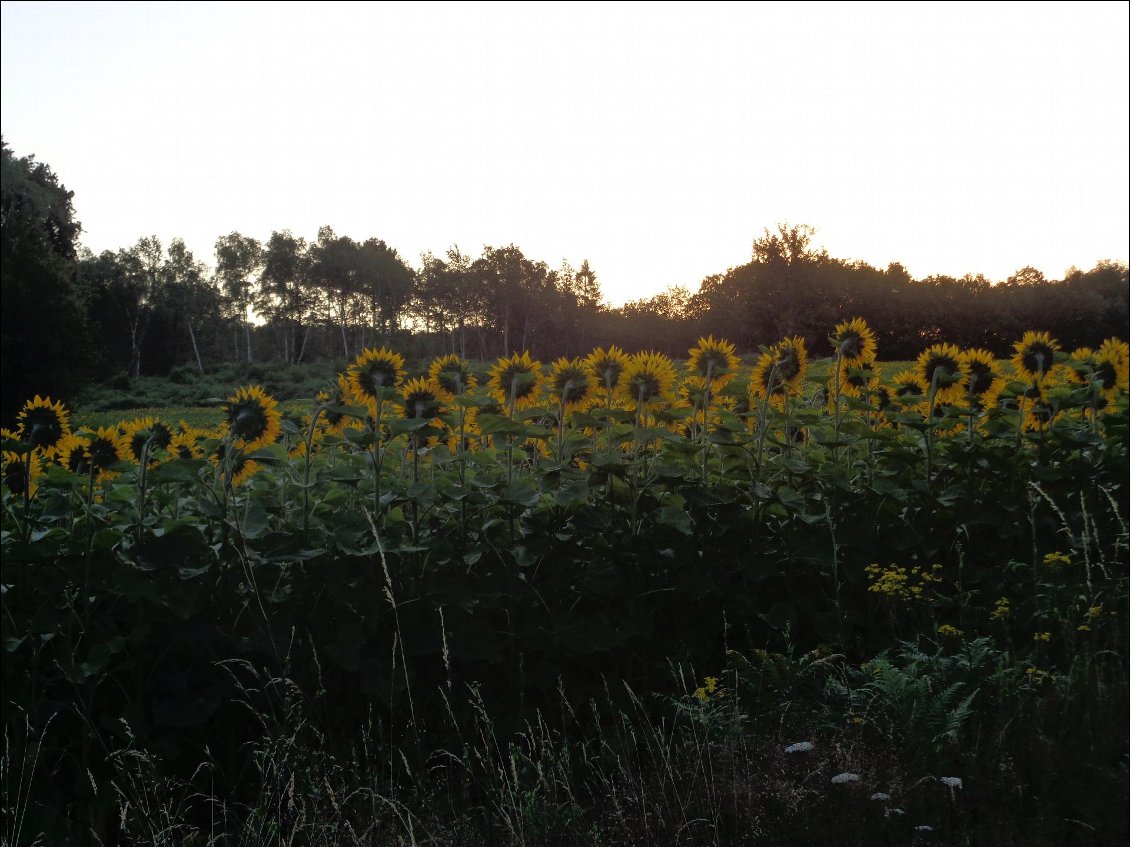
{"type": "Point", "coordinates": [655, 141]}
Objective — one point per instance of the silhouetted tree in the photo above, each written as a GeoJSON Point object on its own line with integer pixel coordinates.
{"type": "Point", "coordinates": [42, 333]}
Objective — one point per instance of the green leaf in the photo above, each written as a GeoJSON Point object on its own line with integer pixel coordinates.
{"type": "Point", "coordinates": [182, 546]}
{"type": "Point", "coordinates": [521, 493]}
{"type": "Point", "coordinates": [254, 520]}
{"type": "Point", "coordinates": [676, 518]}
{"type": "Point", "coordinates": [177, 470]}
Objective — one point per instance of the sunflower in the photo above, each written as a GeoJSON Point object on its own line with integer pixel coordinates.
{"type": "Point", "coordinates": [909, 391]}
{"type": "Point", "coordinates": [298, 448]}
{"type": "Point", "coordinates": [243, 470]}
{"type": "Point", "coordinates": [857, 380]}
{"type": "Point", "coordinates": [335, 423]}
{"type": "Point", "coordinates": [940, 368]}
{"type": "Point", "coordinates": [979, 367]}
{"type": "Point", "coordinates": [603, 408]}
{"type": "Point", "coordinates": [253, 418]}
{"type": "Point", "coordinates": [420, 401]}
{"type": "Point", "coordinates": [714, 362]}
{"type": "Point", "coordinates": [44, 424]}
{"type": "Point", "coordinates": [1117, 352]}
{"type": "Point", "coordinates": [515, 382]}
{"type": "Point", "coordinates": [571, 382]}
{"type": "Point", "coordinates": [648, 379]}
{"type": "Point", "coordinates": [854, 341]}
{"type": "Point", "coordinates": [606, 366]}
{"type": "Point", "coordinates": [1040, 409]}
{"type": "Point", "coordinates": [1107, 370]}
{"type": "Point", "coordinates": [472, 435]}
{"type": "Point", "coordinates": [909, 387]}
{"type": "Point", "coordinates": [451, 377]}
{"type": "Point", "coordinates": [1034, 356]}
{"type": "Point", "coordinates": [101, 449]}
{"type": "Point", "coordinates": [695, 394]}
{"type": "Point", "coordinates": [1081, 366]}
{"type": "Point", "coordinates": [184, 445]}
{"type": "Point", "coordinates": [882, 399]}
{"type": "Point", "coordinates": [780, 370]}
{"type": "Point", "coordinates": [21, 477]}
{"type": "Point", "coordinates": [147, 435]}
{"type": "Point", "coordinates": [374, 376]}
{"type": "Point", "coordinates": [998, 396]}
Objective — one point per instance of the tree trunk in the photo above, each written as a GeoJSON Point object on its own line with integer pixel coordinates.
{"type": "Point", "coordinates": [305, 338]}
{"type": "Point", "coordinates": [195, 349]}
{"type": "Point", "coordinates": [506, 330]}
{"type": "Point", "coordinates": [135, 351]}
{"type": "Point", "coordinates": [247, 336]}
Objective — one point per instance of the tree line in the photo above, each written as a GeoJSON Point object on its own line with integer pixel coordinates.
{"type": "Point", "coordinates": [71, 316]}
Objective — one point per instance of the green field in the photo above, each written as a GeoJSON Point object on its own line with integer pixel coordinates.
{"type": "Point", "coordinates": [502, 618]}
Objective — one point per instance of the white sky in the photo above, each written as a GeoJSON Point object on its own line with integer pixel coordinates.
{"type": "Point", "coordinates": [655, 140]}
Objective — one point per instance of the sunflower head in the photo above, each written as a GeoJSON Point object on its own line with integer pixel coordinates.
{"type": "Point", "coordinates": [1040, 412]}
{"type": "Point", "coordinates": [420, 401]}
{"type": "Point", "coordinates": [854, 342]}
{"type": "Point", "coordinates": [781, 369]}
{"type": "Point", "coordinates": [184, 445]}
{"type": "Point", "coordinates": [21, 477]}
{"type": "Point", "coordinates": [909, 386]}
{"type": "Point", "coordinates": [858, 380]}
{"type": "Point", "coordinates": [515, 381]}
{"type": "Point", "coordinates": [648, 379]}
{"type": "Point", "coordinates": [713, 361]}
{"type": "Point", "coordinates": [243, 470]}
{"type": "Point", "coordinates": [99, 451]}
{"type": "Point", "coordinates": [1034, 356]}
{"type": "Point", "coordinates": [149, 436]}
{"type": "Point", "coordinates": [472, 435]}
{"type": "Point", "coordinates": [451, 377]}
{"type": "Point", "coordinates": [940, 368]}
{"type": "Point", "coordinates": [341, 394]}
{"type": "Point", "coordinates": [882, 397]}
{"type": "Point", "coordinates": [375, 375]}
{"type": "Point", "coordinates": [1107, 370]}
{"type": "Point", "coordinates": [571, 382]}
{"type": "Point", "coordinates": [979, 367]}
{"type": "Point", "coordinates": [43, 424]}
{"type": "Point", "coordinates": [253, 418]}
{"type": "Point", "coordinates": [694, 392]}
{"type": "Point", "coordinates": [1117, 352]}
{"type": "Point", "coordinates": [606, 366]}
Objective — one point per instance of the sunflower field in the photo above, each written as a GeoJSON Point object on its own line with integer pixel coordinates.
{"type": "Point", "coordinates": [614, 600]}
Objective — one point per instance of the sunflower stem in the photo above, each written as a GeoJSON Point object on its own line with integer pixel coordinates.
{"type": "Point", "coordinates": [561, 425]}
{"type": "Point", "coordinates": [763, 423]}
{"type": "Point", "coordinates": [706, 417]}
{"type": "Point", "coordinates": [836, 408]}
{"type": "Point", "coordinates": [29, 454]}
{"type": "Point", "coordinates": [142, 477]}
{"type": "Point", "coordinates": [309, 461]}
{"type": "Point", "coordinates": [89, 526]}
{"type": "Point", "coordinates": [929, 432]}
{"type": "Point", "coordinates": [377, 458]}
{"type": "Point", "coordinates": [415, 480]}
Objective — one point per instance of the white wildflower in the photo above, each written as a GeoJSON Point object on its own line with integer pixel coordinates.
{"type": "Point", "coordinates": [924, 827]}
{"type": "Point", "coordinates": [895, 810]}
{"type": "Point", "coordinates": [879, 795]}
{"type": "Point", "coordinates": [841, 778]}
{"type": "Point", "coordinates": [951, 781]}
{"type": "Point", "coordinates": [801, 747]}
